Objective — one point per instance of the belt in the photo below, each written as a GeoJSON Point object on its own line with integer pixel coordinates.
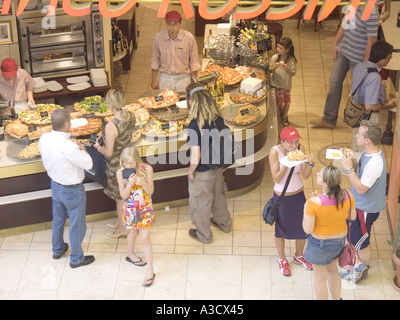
{"type": "Point", "coordinates": [68, 185]}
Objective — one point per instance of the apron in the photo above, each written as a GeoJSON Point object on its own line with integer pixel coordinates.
{"type": "Point", "coordinates": [175, 82]}
{"type": "Point", "coordinates": [20, 106]}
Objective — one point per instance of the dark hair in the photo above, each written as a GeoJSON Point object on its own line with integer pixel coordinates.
{"type": "Point", "coordinates": [287, 44]}
{"type": "Point", "coordinates": [380, 50]}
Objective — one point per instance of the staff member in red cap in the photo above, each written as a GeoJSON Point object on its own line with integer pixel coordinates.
{"type": "Point", "coordinates": [289, 222]}
{"type": "Point", "coordinates": [175, 57]}
{"type": "Point", "coordinates": [16, 84]}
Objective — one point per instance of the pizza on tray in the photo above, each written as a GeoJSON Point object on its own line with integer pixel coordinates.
{"type": "Point", "coordinates": [42, 114]}
{"type": "Point", "coordinates": [155, 128]}
{"type": "Point", "coordinates": [29, 152]}
{"type": "Point", "coordinates": [93, 105]}
{"type": "Point", "coordinates": [248, 72]}
{"type": "Point", "coordinates": [93, 125]}
{"type": "Point", "coordinates": [229, 75]}
{"type": "Point", "coordinates": [164, 99]}
{"type": "Point", "coordinates": [17, 129]}
{"type": "Point", "coordinates": [247, 115]}
{"type": "Point", "coordinates": [141, 115]}
{"type": "Point", "coordinates": [240, 97]}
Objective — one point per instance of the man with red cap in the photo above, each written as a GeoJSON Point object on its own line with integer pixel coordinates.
{"type": "Point", "coordinates": [16, 84]}
{"type": "Point", "coordinates": [175, 57]}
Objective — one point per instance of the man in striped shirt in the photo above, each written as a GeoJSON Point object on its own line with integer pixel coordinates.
{"type": "Point", "coordinates": [351, 46]}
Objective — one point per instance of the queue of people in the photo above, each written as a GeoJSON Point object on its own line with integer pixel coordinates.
{"type": "Point", "coordinates": [318, 225]}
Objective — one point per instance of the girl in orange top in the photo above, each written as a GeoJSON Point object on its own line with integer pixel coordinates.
{"type": "Point", "coordinates": [325, 222]}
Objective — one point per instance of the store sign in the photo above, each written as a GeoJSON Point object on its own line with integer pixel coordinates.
{"type": "Point", "coordinates": [206, 11]}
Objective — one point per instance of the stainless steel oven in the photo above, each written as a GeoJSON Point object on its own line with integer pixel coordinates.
{"type": "Point", "coordinates": [73, 45]}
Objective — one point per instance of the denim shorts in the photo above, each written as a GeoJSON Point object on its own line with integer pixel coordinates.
{"type": "Point", "coordinates": [323, 252]}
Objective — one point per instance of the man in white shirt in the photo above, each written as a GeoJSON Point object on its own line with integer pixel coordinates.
{"type": "Point", "coordinates": [65, 162]}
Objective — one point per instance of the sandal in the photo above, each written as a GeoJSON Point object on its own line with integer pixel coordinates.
{"type": "Point", "coordinates": [112, 225]}
{"type": "Point", "coordinates": [138, 263]}
{"type": "Point", "coordinates": [149, 282]}
{"type": "Point", "coordinates": [285, 121]}
{"type": "Point", "coordinates": [116, 235]}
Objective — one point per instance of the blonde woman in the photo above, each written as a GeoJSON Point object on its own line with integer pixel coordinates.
{"type": "Point", "coordinates": [117, 135]}
{"type": "Point", "coordinates": [325, 221]}
{"type": "Point", "coordinates": [207, 188]}
{"type": "Point", "coordinates": [138, 214]}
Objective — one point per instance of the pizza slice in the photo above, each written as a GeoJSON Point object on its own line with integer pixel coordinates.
{"type": "Point", "coordinates": [296, 155]}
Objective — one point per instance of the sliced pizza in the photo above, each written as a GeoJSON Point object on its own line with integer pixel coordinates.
{"type": "Point", "coordinates": [93, 105]}
{"type": "Point", "coordinates": [29, 152]}
{"type": "Point", "coordinates": [164, 99]}
{"type": "Point", "coordinates": [296, 155]}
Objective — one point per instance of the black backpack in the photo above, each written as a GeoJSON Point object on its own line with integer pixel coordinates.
{"type": "Point", "coordinates": [218, 146]}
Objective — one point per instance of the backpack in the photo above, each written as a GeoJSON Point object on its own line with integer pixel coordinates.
{"type": "Point", "coordinates": [218, 146]}
{"type": "Point", "coordinates": [355, 112]}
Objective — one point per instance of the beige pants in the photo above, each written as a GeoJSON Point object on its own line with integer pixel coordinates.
{"type": "Point", "coordinates": [207, 198]}
{"type": "Point", "coordinates": [376, 117]}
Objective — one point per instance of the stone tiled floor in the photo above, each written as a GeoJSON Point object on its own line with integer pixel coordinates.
{"type": "Point", "coordinates": [238, 265]}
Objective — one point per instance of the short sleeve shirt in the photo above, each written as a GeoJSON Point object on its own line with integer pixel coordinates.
{"type": "Point", "coordinates": [23, 83]}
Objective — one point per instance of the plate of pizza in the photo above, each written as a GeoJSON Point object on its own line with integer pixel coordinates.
{"type": "Point", "coordinates": [248, 72]}
{"type": "Point", "coordinates": [241, 97]}
{"type": "Point", "coordinates": [158, 99]}
{"type": "Point", "coordinates": [229, 75]}
{"type": "Point", "coordinates": [40, 115]}
{"type": "Point", "coordinates": [23, 149]}
{"type": "Point", "coordinates": [93, 105]}
{"type": "Point", "coordinates": [293, 158]}
{"type": "Point", "coordinates": [93, 126]}
{"type": "Point", "coordinates": [158, 129]}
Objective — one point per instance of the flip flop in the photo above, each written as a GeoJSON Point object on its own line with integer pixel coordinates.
{"type": "Point", "coordinates": [138, 263]}
{"type": "Point", "coordinates": [151, 279]}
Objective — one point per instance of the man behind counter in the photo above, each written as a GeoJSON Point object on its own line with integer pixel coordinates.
{"type": "Point", "coordinates": [175, 57]}
{"type": "Point", "coordinates": [16, 84]}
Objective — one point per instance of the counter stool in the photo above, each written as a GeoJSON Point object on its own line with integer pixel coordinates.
{"type": "Point", "coordinates": [394, 66]}
{"type": "Point", "coordinates": [315, 14]}
{"type": "Point", "coordinates": [276, 29]}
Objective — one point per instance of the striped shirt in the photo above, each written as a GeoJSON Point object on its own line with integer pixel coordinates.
{"type": "Point", "coordinates": [175, 56]}
{"type": "Point", "coordinates": [356, 35]}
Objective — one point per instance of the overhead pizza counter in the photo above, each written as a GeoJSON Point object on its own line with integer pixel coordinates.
{"type": "Point", "coordinates": [242, 93]}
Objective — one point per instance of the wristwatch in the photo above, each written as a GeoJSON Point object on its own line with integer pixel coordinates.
{"type": "Point", "coordinates": [311, 165]}
{"type": "Point", "coordinates": [350, 170]}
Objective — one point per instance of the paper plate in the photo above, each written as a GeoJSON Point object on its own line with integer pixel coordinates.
{"type": "Point", "coordinates": [79, 122]}
{"type": "Point", "coordinates": [54, 86]}
{"type": "Point", "coordinates": [74, 80]}
{"type": "Point", "coordinates": [290, 164]}
{"type": "Point", "coordinates": [78, 86]}
{"type": "Point", "coordinates": [333, 154]}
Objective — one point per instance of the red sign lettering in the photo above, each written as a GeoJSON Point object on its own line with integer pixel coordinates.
{"type": "Point", "coordinates": [206, 11]}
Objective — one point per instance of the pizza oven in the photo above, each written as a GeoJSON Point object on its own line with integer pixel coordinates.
{"type": "Point", "coordinates": [69, 46]}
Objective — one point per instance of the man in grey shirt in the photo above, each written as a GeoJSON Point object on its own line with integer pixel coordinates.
{"type": "Point", "coordinates": [352, 45]}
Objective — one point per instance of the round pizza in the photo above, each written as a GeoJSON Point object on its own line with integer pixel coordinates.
{"type": "Point", "coordinates": [164, 99]}
{"type": "Point", "coordinates": [93, 105]}
{"type": "Point", "coordinates": [250, 72]}
{"type": "Point", "coordinates": [41, 114]}
{"type": "Point", "coordinates": [241, 97]}
{"type": "Point", "coordinates": [229, 75]}
{"type": "Point", "coordinates": [93, 125]}
{"type": "Point", "coordinates": [245, 115]}
{"type": "Point", "coordinates": [155, 128]}
{"type": "Point", "coordinates": [29, 152]}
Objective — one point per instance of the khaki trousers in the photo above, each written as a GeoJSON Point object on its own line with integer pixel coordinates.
{"type": "Point", "coordinates": [207, 198]}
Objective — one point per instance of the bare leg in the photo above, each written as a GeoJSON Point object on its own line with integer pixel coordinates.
{"type": "Point", "coordinates": [280, 246]}
{"type": "Point", "coordinates": [334, 280]}
{"type": "Point", "coordinates": [148, 252]}
{"type": "Point", "coordinates": [300, 243]}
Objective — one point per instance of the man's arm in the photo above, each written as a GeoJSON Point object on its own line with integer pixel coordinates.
{"type": "Point", "coordinates": [154, 79]}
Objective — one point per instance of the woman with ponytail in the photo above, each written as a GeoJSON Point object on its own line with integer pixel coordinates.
{"type": "Point", "coordinates": [117, 135]}
{"type": "Point", "coordinates": [325, 221]}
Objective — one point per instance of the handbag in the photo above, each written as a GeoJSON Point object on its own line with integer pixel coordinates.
{"type": "Point", "coordinates": [98, 172]}
{"type": "Point", "coordinates": [347, 259]}
{"type": "Point", "coordinates": [355, 112]}
{"type": "Point", "coordinates": [270, 211]}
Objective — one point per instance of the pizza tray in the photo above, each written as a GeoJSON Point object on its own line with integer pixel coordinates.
{"type": "Point", "coordinates": [14, 147]}
{"type": "Point", "coordinates": [153, 93]}
{"type": "Point", "coordinates": [150, 131]}
{"type": "Point", "coordinates": [170, 113]}
{"type": "Point", "coordinates": [231, 112]}
{"type": "Point", "coordinates": [237, 92]}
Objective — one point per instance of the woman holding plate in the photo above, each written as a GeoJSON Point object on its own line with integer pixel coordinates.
{"type": "Point", "coordinates": [290, 213]}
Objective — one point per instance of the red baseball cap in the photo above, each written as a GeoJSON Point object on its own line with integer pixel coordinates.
{"type": "Point", "coordinates": [9, 68]}
{"type": "Point", "coordinates": [173, 16]}
{"type": "Point", "coordinates": [289, 134]}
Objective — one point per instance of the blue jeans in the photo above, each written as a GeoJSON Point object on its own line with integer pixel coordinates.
{"type": "Point", "coordinates": [339, 71]}
{"type": "Point", "coordinates": [69, 203]}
